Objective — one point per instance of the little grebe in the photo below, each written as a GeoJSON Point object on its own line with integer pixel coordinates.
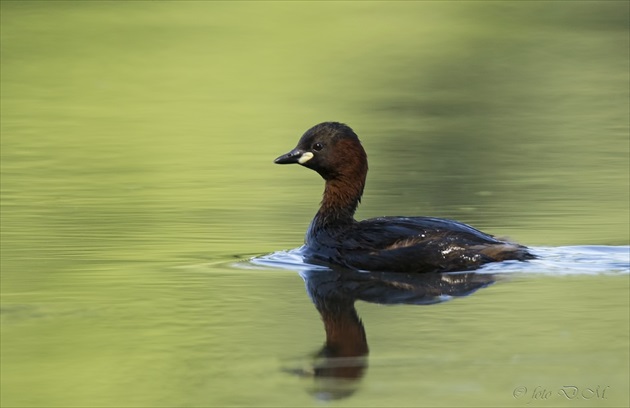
{"type": "Point", "coordinates": [394, 244]}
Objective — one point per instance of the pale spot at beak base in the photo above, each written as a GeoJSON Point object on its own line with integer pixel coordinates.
{"type": "Point", "coordinates": [305, 157]}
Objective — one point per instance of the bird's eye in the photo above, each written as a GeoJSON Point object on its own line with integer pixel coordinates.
{"type": "Point", "coordinates": [318, 146]}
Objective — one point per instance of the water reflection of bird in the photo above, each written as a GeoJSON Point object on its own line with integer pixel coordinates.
{"type": "Point", "coordinates": [394, 244]}
{"type": "Point", "coordinates": [342, 361]}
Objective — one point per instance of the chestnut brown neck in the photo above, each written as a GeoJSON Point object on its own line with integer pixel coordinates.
{"type": "Point", "coordinates": [344, 186]}
{"type": "Point", "coordinates": [341, 199]}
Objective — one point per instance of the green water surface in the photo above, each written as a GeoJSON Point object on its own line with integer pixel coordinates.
{"type": "Point", "coordinates": [137, 141]}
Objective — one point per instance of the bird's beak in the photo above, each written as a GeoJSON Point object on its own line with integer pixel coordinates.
{"type": "Point", "coordinates": [294, 156]}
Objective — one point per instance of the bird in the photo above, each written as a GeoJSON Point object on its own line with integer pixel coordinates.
{"type": "Point", "coordinates": [389, 243]}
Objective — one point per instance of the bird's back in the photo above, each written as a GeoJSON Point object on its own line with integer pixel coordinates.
{"type": "Point", "coordinates": [410, 244]}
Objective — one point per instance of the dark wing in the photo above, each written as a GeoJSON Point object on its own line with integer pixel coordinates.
{"type": "Point", "coordinates": [422, 244]}
{"type": "Point", "coordinates": [392, 232]}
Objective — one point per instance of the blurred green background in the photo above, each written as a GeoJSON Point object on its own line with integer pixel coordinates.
{"type": "Point", "coordinates": [137, 141]}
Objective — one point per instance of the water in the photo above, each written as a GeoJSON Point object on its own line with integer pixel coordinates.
{"type": "Point", "coordinates": [146, 236]}
{"type": "Point", "coordinates": [556, 261]}
{"type": "Point", "coordinates": [336, 371]}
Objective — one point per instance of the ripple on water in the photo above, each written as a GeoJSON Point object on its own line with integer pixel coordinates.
{"type": "Point", "coordinates": [566, 260]}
